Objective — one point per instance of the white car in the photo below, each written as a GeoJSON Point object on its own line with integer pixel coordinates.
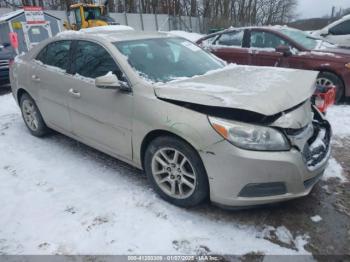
{"type": "Point", "coordinates": [337, 32]}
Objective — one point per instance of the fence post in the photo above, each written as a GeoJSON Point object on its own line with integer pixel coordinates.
{"type": "Point", "coordinates": [125, 15]}
{"type": "Point", "coordinates": [141, 17]}
{"type": "Point", "coordinates": [156, 20]}
{"type": "Point", "coordinates": [169, 20]}
{"type": "Point", "coordinates": [191, 23]}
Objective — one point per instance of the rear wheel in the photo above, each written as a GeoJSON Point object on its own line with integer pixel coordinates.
{"type": "Point", "coordinates": [32, 117]}
{"type": "Point", "coordinates": [176, 172]}
{"type": "Point", "coordinates": [326, 79]}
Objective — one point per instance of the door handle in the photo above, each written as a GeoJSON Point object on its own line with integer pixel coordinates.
{"type": "Point", "coordinates": [35, 78]}
{"type": "Point", "coordinates": [74, 93]}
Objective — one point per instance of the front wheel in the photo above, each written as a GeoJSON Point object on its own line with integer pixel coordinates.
{"type": "Point", "coordinates": [326, 79]}
{"type": "Point", "coordinates": [176, 172]}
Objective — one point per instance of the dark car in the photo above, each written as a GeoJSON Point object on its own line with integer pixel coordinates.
{"type": "Point", "coordinates": [6, 54]}
{"type": "Point", "coordinates": [284, 47]}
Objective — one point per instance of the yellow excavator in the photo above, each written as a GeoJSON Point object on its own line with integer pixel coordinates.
{"type": "Point", "coordinates": [86, 16]}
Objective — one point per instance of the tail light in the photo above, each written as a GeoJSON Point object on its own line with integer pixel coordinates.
{"type": "Point", "coordinates": [325, 99]}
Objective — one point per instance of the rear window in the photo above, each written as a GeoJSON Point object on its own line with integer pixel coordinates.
{"type": "Point", "coordinates": [56, 54]}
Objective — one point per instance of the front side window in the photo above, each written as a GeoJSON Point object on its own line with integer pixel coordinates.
{"type": "Point", "coordinates": [231, 39]}
{"type": "Point", "coordinates": [166, 59]}
{"type": "Point", "coordinates": [302, 38]}
{"type": "Point", "coordinates": [92, 13]}
{"type": "Point", "coordinates": [56, 54]}
{"type": "Point", "coordinates": [341, 29]}
{"type": "Point", "coordinates": [266, 40]}
{"type": "Point", "coordinates": [92, 60]}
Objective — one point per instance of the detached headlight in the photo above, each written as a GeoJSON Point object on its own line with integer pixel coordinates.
{"type": "Point", "coordinates": [250, 137]}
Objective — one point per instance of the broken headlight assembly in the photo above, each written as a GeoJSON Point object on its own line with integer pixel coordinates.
{"type": "Point", "coordinates": [250, 137]}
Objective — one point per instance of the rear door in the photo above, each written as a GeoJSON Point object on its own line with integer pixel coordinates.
{"type": "Point", "coordinates": [51, 76]}
{"type": "Point", "coordinates": [101, 117]}
{"type": "Point", "coordinates": [229, 47]}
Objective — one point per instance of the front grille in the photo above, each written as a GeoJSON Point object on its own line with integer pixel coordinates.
{"type": "Point", "coordinates": [4, 64]}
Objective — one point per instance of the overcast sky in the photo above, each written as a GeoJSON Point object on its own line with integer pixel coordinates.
{"type": "Point", "coordinates": [319, 8]}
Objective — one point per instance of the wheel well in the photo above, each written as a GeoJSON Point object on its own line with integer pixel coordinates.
{"type": "Point", "coordinates": [20, 93]}
{"type": "Point", "coordinates": [153, 135]}
{"type": "Point", "coordinates": [334, 73]}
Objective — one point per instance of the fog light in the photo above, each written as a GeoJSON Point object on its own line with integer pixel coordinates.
{"type": "Point", "coordinates": [263, 190]}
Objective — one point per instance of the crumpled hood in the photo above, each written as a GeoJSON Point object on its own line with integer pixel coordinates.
{"type": "Point", "coordinates": [264, 90]}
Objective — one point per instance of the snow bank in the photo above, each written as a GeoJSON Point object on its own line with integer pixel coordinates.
{"type": "Point", "coordinates": [337, 115]}
{"type": "Point", "coordinates": [60, 197]}
{"type": "Point", "coordinates": [334, 170]}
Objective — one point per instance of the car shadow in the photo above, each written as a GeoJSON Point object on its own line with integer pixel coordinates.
{"type": "Point", "coordinates": [5, 89]}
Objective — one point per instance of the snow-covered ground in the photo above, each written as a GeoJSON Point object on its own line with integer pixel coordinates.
{"type": "Point", "coordinates": [60, 197]}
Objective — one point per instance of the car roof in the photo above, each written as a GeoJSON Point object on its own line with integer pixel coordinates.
{"type": "Point", "coordinates": [230, 29]}
{"type": "Point", "coordinates": [111, 35]}
{"type": "Point", "coordinates": [268, 27]}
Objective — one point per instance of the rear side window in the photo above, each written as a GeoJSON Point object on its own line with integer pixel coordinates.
{"type": "Point", "coordinates": [341, 29]}
{"type": "Point", "coordinates": [56, 54]}
{"type": "Point", "coordinates": [92, 60]}
{"type": "Point", "coordinates": [231, 39]}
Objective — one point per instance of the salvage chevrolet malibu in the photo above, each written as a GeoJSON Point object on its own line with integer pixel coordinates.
{"type": "Point", "coordinates": [199, 128]}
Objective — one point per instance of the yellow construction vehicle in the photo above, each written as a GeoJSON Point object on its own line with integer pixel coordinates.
{"type": "Point", "coordinates": [86, 16]}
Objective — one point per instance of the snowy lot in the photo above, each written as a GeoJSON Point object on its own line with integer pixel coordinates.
{"type": "Point", "coordinates": [60, 197]}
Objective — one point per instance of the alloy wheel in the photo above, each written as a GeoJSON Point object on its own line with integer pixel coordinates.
{"type": "Point", "coordinates": [30, 115]}
{"type": "Point", "coordinates": [173, 173]}
{"type": "Point", "coordinates": [324, 82]}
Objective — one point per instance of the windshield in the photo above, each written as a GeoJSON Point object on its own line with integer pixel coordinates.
{"type": "Point", "coordinates": [92, 13]}
{"type": "Point", "coordinates": [166, 59]}
{"type": "Point", "coordinates": [302, 38]}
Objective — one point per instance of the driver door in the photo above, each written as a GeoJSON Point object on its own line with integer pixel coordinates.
{"type": "Point", "coordinates": [100, 117]}
{"type": "Point", "coordinates": [263, 48]}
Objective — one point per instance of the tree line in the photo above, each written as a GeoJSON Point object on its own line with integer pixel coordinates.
{"type": "Point", "coordinates": [219, 13]}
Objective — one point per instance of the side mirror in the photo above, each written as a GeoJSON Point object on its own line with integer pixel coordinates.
{"type": "Point", "coordinates": [285, 50]}
{"type": "Point", "coordinates": [325, 32]}
{"type": "Point", "coordinates": [111, 81]}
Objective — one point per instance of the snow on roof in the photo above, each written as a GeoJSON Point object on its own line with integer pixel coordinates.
{"type": "Point", "coordinates": [10, 15]}
{"type": "Point", "coordinates": [107, 28]}
{"type": "Point", "coordinates": [13, 14]}
{"type": "Point", "coordinates": [193, 37]}
{"type": "Point", "coordinates": [345, 17]}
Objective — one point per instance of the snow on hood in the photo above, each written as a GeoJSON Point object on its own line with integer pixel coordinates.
{"type": "Point", "coordinates": [264, 90]}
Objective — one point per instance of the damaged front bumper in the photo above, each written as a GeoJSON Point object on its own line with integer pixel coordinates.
{"type": "Point", "coordinates": [240, 177]}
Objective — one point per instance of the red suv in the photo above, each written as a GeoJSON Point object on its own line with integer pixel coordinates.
{"type": "Point", "coordinates": [283, 47]}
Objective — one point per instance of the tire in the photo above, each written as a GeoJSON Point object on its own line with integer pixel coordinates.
{"type": "Point", "coordinates": [326, 79]}
{"type": "Point", "coordinates": [32, 117]}
{"type": "Point", "coordinates": [187, 170]}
